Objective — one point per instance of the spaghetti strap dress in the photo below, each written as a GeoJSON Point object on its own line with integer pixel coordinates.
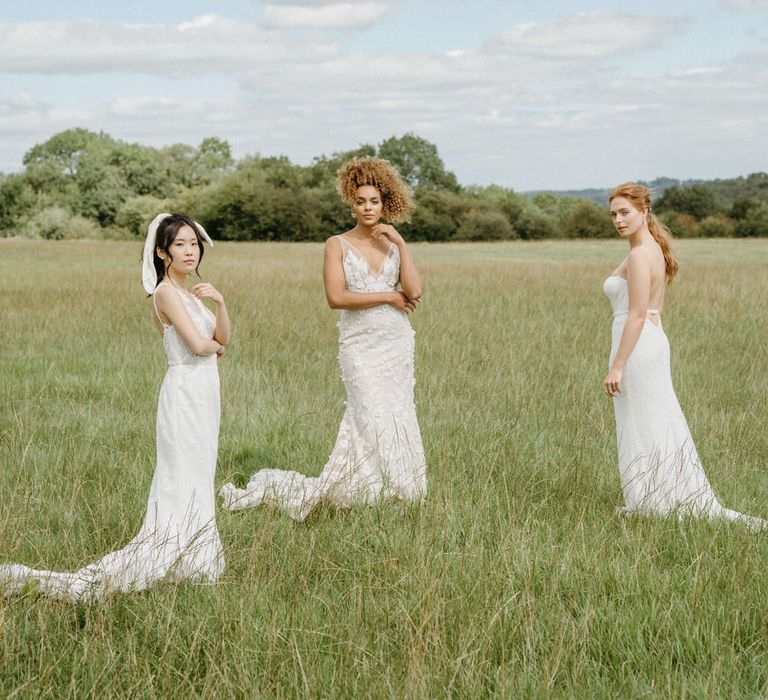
{"type": "Point", "coordinates": [378, 451]}
{"type": "Point", "coordinates": [178, 539]}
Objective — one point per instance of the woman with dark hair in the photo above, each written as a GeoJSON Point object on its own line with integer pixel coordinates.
{"type": "Point", "coordinates": [179, 539]}
{"type": "Point", "coordinates": [378, 451]}
{"type": "Point", "coordinates": [659, 467]}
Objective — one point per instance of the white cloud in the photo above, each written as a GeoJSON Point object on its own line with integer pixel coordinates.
{"type": "Point", "coordinates": [207, 44]}
{"type": "Point", "coordinates": [532, 122]}
{"type": "Point", "coordinates": [197, 23]}
{"type": "Point", "coordinates": [336, 15]}
{"type": "Point", "coordinates": [153, 106]}
{"type": "Point", "coordinates": [25, 101]}
{"type": "Point", "coordinates": [150, 120]}
{"type": "Point", "coordinates": [517, 65]}
{"type": "Point", "coordinates": [540, 105]}
{"type": "Point", "coordinates": [746, 4]}
{"type": "Point", "coordinates": [322, 3]}
{"type": "Point", "coordinates": [586, 35]}
{"type": "Point", "coordinates": [211, 44]}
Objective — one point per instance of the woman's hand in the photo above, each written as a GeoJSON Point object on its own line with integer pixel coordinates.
{"type": "Point", "coordinates": [388, 232]}
{"type": "Point", "coordinates": [204, 290]}
{"type": "Point", "coordinates": [402, 302]}
{"type": "Point", "coordinates": [612, 382]}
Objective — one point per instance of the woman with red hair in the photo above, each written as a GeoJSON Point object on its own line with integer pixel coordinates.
{"type": "Point", "coordinates": [658, 464]}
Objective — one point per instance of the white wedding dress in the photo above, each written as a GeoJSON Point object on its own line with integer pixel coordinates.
{"type": "Point", "coordinates": [179, 539]}
{"type": "Point", "coordinates": [659, 467]}
{"type": "Point", "coordinates": [378, 451]}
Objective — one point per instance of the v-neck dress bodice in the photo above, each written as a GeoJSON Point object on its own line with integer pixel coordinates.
{"type": "Point", "coordinates": [358, 275]}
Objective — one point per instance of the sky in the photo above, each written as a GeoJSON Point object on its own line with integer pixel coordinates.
{"type": "Point", "coordinates": [525, 94]}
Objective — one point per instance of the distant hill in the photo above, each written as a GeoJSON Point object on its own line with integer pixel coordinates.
{"type": "Point", "coordinates": [726, 191]}
{"type": "Point", "coordinates": [754, 186]}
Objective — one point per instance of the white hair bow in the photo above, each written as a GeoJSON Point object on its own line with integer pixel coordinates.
{"type": "Point", "coordinates": [148, 272]}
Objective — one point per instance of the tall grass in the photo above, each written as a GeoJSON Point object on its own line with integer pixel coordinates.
{"type": "Point", "coordinates": [515, 578]}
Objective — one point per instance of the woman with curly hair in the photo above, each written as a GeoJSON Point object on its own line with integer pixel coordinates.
{"type": "Point", "coordinates": [378, 451]}
{"type": "Point", "coordinates": [659, 467]}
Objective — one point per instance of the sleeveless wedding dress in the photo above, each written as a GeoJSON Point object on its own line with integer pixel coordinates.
{"type": "Point", "coordinates": [659, 467]}
{"type": "Point", "coordinates": [378, 451]}
{"type": "Point", "coordinates": [179, 539]}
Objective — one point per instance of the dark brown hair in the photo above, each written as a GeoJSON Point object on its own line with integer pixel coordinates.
{"type": "Point", "coordinates": [167, 231]}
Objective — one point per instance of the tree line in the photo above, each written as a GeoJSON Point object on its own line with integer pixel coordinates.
{"type": "Point", "coordinates": [82, 184]}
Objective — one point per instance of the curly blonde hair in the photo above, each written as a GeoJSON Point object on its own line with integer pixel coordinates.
{"type": "Point", "coordinates": [396, 196]}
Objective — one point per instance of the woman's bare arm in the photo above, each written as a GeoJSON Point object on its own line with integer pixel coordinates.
{"type": "Point", "coordinates": [639, 288]}
{"type": "Point", "coordinates": [335, 285]}
{"type": "Point", "coordinates": [170, 305]}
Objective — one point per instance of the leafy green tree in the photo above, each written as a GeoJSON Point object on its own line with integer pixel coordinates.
{"type": "Point", "coordinates": [485, 225]}
{"type": "Point", "coordinates": [755, 223]}
{"type": "Point", "coordinates": [742, 206]}
{"type": "Point", "coordinates": [60, 156]}
{"type": "Point", "coordinates": [587, 220]}
{"type": "Point", "coordinates": [179, 162]}
{"type": "Point", "coordinates": [717, 226]}
{"type": "Point", "coordinates": [58, 223]}
{"type": "Point", "coordinates": [52, 166]}
{"type": "Point", "coordinates": [547, 202]}
{"type": "Point", "coordinates": [247, 205]}
{"type": "Point", "coordinates": [438, 215]}
{"type": "Point", "coordinates": [726, 192]}
{"type": "Point", "coordinates": [17, 201]}
{"type": "Point", "coordinates": [80, 173]}
{"type": "Point", "coordinates": [428, 224]}
{"type": "Point", "coordinates": [213, 159]}
{"type": "Point", "coordinates": [135, 213]}
{"type": "Point", "coordinates": [280, 172]}
{"type": "Point", "coordinates": [533, 223]}
{"type": "Point", "coordinates": [99, 188]}
{"type": "Point", "coordinates": [680, 225]}
{"type": "Point", "coordinates": [138, 170]}
{"type": "Point", "coordinates": [323, 169]}
{"type": "Point", "coordinates": [696, 201]}
{"type": "Point", "coordinates": [333, 215]}
{"type": "Point", "coordinates": [93, 174]}
{"type": "Point", "coordinates": [418, 162]}
{"type": "Point", "coordinates": [508, 202]}
{"type": "Point", "coordinates": [225, 206]}
{"type": "Point", "coordinates": [188, 166]}
{"type": "Point", "coordinates": [566, 205]}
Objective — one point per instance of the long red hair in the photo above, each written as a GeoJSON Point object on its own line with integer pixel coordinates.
{"type": "Point", "coordinates": [640, 197]}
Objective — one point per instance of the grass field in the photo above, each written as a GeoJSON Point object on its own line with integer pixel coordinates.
{"type": "Point", "coordinates": [514, 579]}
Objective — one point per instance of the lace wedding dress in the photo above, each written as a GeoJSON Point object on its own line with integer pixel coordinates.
{"type": "Point", "coordinates": [659, 467]}
{"type": "Point", "coordinates": [378, 451]}
{"type": "Point", "coordinates": [179, 539]}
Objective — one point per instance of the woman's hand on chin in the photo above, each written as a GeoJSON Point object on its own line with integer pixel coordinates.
{"type": "Point", "coordinates": [388, 232]}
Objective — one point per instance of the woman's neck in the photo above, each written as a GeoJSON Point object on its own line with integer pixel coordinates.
{"type": "Point", "coordinates": [363, 230]}
{"type": "Point", "coordinates": [643, 236]}
{"type": "Point", "coordinates": [177, 279]}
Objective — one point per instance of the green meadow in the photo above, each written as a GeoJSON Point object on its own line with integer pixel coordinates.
{"type": "Point", "coordinates": [514, 579]}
